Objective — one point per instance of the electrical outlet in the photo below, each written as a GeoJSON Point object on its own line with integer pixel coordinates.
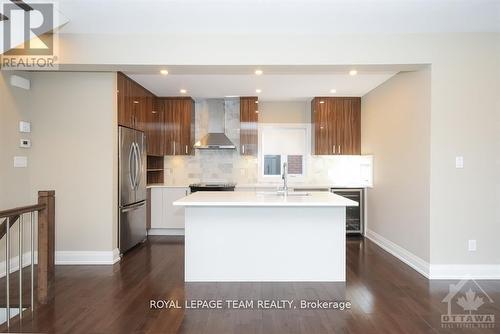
{"type": "Point", "coordinates": [459, 162]}
{"type": "Point", "coordinates": [168, 172]}
{"type": "Point", "coordinates": [472, 245]}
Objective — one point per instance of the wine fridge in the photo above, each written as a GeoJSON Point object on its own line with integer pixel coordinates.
{"type": "Point", "coordinates": [354, 214]}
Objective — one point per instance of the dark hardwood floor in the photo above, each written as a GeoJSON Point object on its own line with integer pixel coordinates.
{"type": "Point", "coordinates": [386, 295]}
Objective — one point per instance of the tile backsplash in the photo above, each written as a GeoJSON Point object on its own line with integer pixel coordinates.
{"type": "Point", "coordinates": [230, 166]}
{"type": "Point", "coordinates": [213, 165]}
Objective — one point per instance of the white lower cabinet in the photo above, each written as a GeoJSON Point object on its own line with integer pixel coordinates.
{"type": "Point", "coordinates": [163, 214]}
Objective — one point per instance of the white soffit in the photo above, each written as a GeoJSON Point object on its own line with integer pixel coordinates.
{"type": "Point", "coordinates": [274, 87]}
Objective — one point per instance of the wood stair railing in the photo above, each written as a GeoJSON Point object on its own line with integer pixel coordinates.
{"type": "Point", "coordinates": [46, 243]}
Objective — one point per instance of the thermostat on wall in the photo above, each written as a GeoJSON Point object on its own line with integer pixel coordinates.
{"type": "Point", "coordinates": [24, 127]}
{"type": "Point", "coordinates": [25, 143]}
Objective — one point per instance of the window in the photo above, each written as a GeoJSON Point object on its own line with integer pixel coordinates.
{"type": "Point", "coordinates": [282, 143]}
{"type": "Point", "coordinates": [272, 164]}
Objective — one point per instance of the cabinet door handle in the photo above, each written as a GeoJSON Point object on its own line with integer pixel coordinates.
{"type": "Point", "coordinates": [186, 149]}
{"type": "Point", "coordinates": [174, 147]}
{"type": "Point", "coordinates": [243, 149]}
{"type": "Point", "coordinates": [339, 149]}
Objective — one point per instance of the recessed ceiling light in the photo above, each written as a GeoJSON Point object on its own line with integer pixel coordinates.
{"type": "Point", "coordinates": [333, 90]}
{"type": "Point", "coordinates": [258, 72]}
{"type": "Point", "coordinates": [258, 90]}
{"type": "Point", "coordinates": [321, 101]}
{"type": "Point", "coordinates": [163, 72]}
{"type": "Point", "coordinates": [353, 72]}
{"type": "Point", "coordinates": [183, 91]}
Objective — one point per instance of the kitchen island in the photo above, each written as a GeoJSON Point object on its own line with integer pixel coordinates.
{"type": "Point", "coordinates": [259, 237]}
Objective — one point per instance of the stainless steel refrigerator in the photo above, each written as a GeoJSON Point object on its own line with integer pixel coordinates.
{"type": "Point", "coordinates": [132, 188]}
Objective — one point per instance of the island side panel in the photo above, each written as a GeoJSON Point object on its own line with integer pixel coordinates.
{"type": "Point", "coordinates": [265, 244]}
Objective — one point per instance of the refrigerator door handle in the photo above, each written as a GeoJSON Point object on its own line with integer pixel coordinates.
{"type": "Point", "coordinates": [130, 166]}
{"type": "Point", "coordinates": [135, 166]}
{"type": "Point", "coordinates": [138, 178]}
{"type": "Point", "coordinates": [134, 207]}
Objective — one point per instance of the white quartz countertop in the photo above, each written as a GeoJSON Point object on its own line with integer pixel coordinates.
{"type": "Point", "coordinates": [244, 198]}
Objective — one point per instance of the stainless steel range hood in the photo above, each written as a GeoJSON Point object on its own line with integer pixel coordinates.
{"type": "Point", "coordinates": [215, 139]}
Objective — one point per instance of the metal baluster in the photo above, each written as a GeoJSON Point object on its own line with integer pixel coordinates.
{"type": "Point", "coordinates": [32, 251]}
{"type": "Point", "coordinates": [7, 268]}
{"type": "Point", "coordinates": [21, 221]}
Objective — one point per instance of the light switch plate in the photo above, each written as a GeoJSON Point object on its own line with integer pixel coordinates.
{"type": "Point", "coordinates": [459, 162]}
{"type": "Point", "coordinates": [24, 127]}
{"type": "Point", "coordinates": [20, 162]}
{"type": "Point", "coordinates": [472, 245]}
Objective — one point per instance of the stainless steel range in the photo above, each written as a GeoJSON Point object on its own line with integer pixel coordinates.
{"type": "Point", "coordinates": [212, 187]}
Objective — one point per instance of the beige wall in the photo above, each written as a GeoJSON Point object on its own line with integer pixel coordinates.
{"type": "Point", "coordinates": [14, 107]}
{"type": "Point", "coordinates": [284, 111]}
{"type": "Point", "coordinates": [14, 182]}
{"type": "Point", "coordinates": [396, 131]}
{"type": "Point", "coordinates": [74, 152]}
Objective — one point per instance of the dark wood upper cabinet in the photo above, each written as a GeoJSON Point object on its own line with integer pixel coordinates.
{"type": "Point", "coordinates": [140, 107]}
{"type": "Point", "coordinates": [349, 123]}
{"type": "Point", "coordinates": [125, 109]}
{"type": "Point", "coordinates": [249, 119]}
{"type": "Point", "coordinates": [336, 125]}
{"type": "Point", "coordinates": [322, 127]}
{"type": "Point", "coordinates": [154, 127]}
{"type": "Point", "coordinates": [136, 110]}
{"type": "Point", "coordinates": [178, 113]}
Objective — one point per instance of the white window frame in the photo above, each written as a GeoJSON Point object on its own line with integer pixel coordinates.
{"type": "Point", "coordinates": [284, 157]}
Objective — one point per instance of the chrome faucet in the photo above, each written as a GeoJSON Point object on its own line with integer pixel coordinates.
{"type": "Point", "coordinates": [284, 176]}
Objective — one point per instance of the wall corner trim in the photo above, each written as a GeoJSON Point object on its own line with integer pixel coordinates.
{"type": "Point", "coordinates": [415, 262]}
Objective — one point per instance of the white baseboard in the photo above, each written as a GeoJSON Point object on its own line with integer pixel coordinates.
{"type": "Point", "coordinates": [14, 263]}
{"type": "Point", "coordinates": [87, 257]}
{"type": "Point", "coordinates": [417, 263]}
{"type": "Point", "coordinates": [465, 271]}
{"type": "Point", "coordinates": [436, 271]}
{"type": "Point", "coordinates": [67, 258]}
{"type": "Point", "coordinates": [166, 231]}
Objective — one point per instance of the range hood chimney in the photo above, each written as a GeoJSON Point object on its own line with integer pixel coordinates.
{"type": "Point", "coordinates": [215, 139]}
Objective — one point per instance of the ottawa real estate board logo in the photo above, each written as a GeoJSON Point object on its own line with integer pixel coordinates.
{"type": "Point", "coordinates": [29, 40]}
{"type": "Point", "coordinates": [467, 307]}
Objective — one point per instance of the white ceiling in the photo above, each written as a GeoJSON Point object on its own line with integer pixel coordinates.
{"type": "Point", "coordinates": [297, 87]}
{"type": "Point", "coordinates": [279, 16]}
